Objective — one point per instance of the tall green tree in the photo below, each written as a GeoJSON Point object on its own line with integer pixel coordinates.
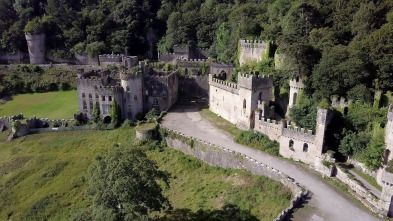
{"type": "Point", "coordinates": [124, 186]}
{"type": "Point", "coordinates": [116, 113]}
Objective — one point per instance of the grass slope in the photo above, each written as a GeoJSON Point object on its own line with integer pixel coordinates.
{"type": "Point", "coordinates": [52, 105]}
{"type": "Point", "coordinates": [42, 177]}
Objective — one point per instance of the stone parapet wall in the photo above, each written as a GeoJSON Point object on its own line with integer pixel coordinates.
{"type": "Point", "coordinates": [251, 50]}
{"type": "Point", "coordinates": [361, 193]}
{"type": "Point", "coordinates": [225, 158]}
{"type": "Point", "coordinates": [341, 103]}
{"type": "Point", "coordinates": [299, 134]}
{"type": "Point", "coordinates": [227, 86]}
{"type": "Point", "coordinates": [296, 83]}
{"type": "Point", "coordinates": [270, 128]}
{"type": "Point", "coordinates": [253, 81]}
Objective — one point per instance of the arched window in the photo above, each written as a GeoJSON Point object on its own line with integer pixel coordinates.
{"type": "Point", "coordinates": [244, 104]}
{"type": "Point", "coordinates": [305, 147]}
{"type": "Point", "coordinates": [91, 105]}
{"type": "Point", "coordinates": [90, 96]}
{"type": "Point", "coordinates": [128, 88]}
{"type": "Point", "coordinates": [291, 144]}
{"type": "Point", "coordinates": [294, 98]}
{"type": "Point", "coordinates": [97, 97]}
{"type": "Point", "coordinates": [83, 95]}
{"type": "Point", "coordinates": [260, 97]}
{"type": "Point", "coordinates": [84, 106]}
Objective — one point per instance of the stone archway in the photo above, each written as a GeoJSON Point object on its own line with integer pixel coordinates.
{"type": "Point", "coordinates": [107, 120]}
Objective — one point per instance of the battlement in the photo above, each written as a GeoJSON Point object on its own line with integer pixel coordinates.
{"type": "Point", "coordinates": [253, 44]}
{"type": "Point", "coordinates": [271, 123]}
{"type": "Point", "coordinates": [342, 102]}
{"type": "Point", "coordinates": [296, 83]}
{"type": "Point", "coordinates": [252, 81]}
{"type": "Point", "coordinates": [124, 76]}
{"type": "Point", "coordinates": [221, 65]}
{"type": "Point", "coordinates": [297, 133]}
{"type": "Point", "coordinates": [228, 86]}
{"type": "Point", "coordinates": [111, 58]}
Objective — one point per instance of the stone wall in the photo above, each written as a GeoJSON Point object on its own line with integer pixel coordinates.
{"type": "Point", "coordinates": [251, 50]}
{"type": "Point", "coordinates": [197, 86]}
{"type": "Point", "coordinates": [6, 58]}
{"type": "Point", "coordinates": [270, 128]}
{"type": "Point", "coordinates": [361, 193]}
{"type": "Point", "coordinates": [225, 158]}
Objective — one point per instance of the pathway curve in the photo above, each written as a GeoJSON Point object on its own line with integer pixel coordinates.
{"type": "Point", "coordinates": [326, 204]}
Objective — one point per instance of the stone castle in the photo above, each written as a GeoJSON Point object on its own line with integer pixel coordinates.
{"type": "Point", "coordinates": [136, 90]}
{"type": "Point", "coordinates": [247, 105]}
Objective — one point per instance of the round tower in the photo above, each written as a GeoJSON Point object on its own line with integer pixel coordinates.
{"type": "Point", "coordinates": [296, 86]}
{"type": "Point", "coordinates": [36, 46]}
{"type": "Point", "coordinates": [132, 84]}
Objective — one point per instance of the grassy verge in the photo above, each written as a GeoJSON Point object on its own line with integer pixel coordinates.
{"type": "Point", "coordinates": [371, 180]}
{"type": "Point", "coordinates": [250, 138]}
{"type": "Point", "coordinates": [42, 177]}
{"type": "Point", "coordinates": [220, 122]}
{"type": "Point", "coordinates": [52, 105]}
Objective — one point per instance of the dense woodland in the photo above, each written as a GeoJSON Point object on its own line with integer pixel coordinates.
{"type": "Point", "coordinates": [340, 48]}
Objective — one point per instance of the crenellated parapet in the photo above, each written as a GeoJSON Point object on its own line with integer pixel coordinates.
{"type": "Point", "coordinates": [342, 102]}
{"type": "Point", "coordinates": [299, 134]}
{"type": "Point", "coordinates": [227, 86]}
{"type": "Point", "coordinates": [296, 83]}
{"type": "Point", "coordinates": [124, 76]}
{"type": "Point", "coordinates": [253, 44]}
{"type": "Point", "coordinates": [252, 81]}
{"type": "Point", "coordinates": [111, 58]}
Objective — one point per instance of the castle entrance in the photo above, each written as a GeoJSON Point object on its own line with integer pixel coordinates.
{"type": "Point", "coordinates": [107, 119]}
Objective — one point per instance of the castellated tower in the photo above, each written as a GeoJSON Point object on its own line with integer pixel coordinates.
{"type": "Point", "coordinates": [132, 84]}
{"type": "Point", "coordinates": [253, 90]}
{"type": "Point", "coordinates": [251, 50]}
{"type": "Point", "coordinates": [320, 129]}
{"type": "Point", "coordinates": [295, 88]}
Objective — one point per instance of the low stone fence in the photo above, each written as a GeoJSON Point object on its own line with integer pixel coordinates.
{"type": "Point", "coordinates": [367, 198]}
{"type": "Point", "coordinates": [356, 188]}
{"type": "Point", "coordinates": [225, 158]}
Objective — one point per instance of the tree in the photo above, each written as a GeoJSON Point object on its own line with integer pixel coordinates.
{"type": "Point", "coordinates": [124, 186]}
{"type": "Point", "coordinates": [304, 114]}
{"type": "Point", "coordinates": [96, 114]}
{"type": "Point", "coordinates": [115, 113]}
{"type": "Point", "coordinates": [95, 48]}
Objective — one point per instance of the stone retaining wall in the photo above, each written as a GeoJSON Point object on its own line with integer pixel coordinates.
{"type": "Point", "coordinates": [225, 158]}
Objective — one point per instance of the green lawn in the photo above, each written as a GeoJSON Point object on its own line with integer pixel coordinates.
{"type": "Point", "coordinates": [52, 105]}
{"type": "Point", "coordinates": [42, 177]}
{"type": "Point", "coordinates": [371, 180]}
{"type": "Point", "coordinates": [220, 122]}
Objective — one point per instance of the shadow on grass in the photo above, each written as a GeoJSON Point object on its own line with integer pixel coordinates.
{"type": "Point", "coordinates": [228, 212]}
{"type": "Point", "coordinates": [291, 215]}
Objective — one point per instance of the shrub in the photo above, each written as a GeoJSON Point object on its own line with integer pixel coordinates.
{"type": "Point", "coordinates": [34, 26]}
{"type": "Point", "coordinates": [258, 141]}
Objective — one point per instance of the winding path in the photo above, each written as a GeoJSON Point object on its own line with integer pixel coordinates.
{"type": "Point", "coordinates": [326, 204]}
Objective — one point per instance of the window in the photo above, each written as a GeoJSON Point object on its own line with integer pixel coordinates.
{"type": "Point", "coordinates": [260, 114]}
{"type": "Point", "coordinates": [97, 97]}
{"type": "Point", "coordinates": [128, 88]}
{"type": "Point", "coordinates": [291, 144]}
{"type": "Point", "coordinates": [305, 147]}
{"type": "Point", "coordinates": [91, 105]}
{"type": "Point", "coordinates": [84, 106]}
{"type": "Point", "coordinates": [294, 98]}
{"type": "Point", "coordinates": [90, 96]}
{"type": "Point", "coordinates": [83, 95]}
{"type": "Point", "coordinates": [244, 104]}
{"type": "Point", "coordinates": [135, 97]}
{"type": "Point", "coordinates": [260, 97]}
{"type": "Point", "coordinates": [103, 98]}
{"type": "Point", "coordinates": [110, 98]}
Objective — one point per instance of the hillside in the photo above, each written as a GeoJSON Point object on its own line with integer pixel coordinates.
{"type": "Point", "coordinates": [42, 176]}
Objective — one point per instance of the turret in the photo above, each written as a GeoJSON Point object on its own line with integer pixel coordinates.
{"type": "Point", "coordinates": [296, 86]}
